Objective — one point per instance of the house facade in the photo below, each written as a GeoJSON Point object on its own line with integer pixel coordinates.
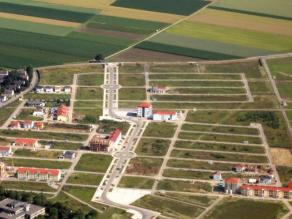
{"type": "Point", "coordinates": [38, 174]}
{"type": "Point", "coordinates": [232, 185]}
{"type": "Point", "coordinates": [144, 110]}
{"type": "Point", "coordinates": [164, 115]}
{"type": "Point", "coordinates": [27, 143]}
{"type": "Point", "coordinates": [266, 191]}
{"type": "Point", "coordinates": [62, 113]}
{"type": "Point", "coordinates": [5, 151]}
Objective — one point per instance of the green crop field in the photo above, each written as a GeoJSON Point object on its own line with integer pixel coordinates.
{"type": "Point", "coordinates": [266, 8]}
{"type": "Point", "coordinates": [167, 6]}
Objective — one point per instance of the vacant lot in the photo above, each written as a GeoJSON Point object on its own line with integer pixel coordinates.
{"type": "Point", "coordinates": [168, 207]}
{"type": "Point", "coordinates": [38, 163]}
{"type": "Point", "coordinates": [132, 94]}
{"type": "Point", "coordinates": [152, 147]}
{"type": "Point", "coordinates": [26, 114]}
{"type": "Point", "coordinates": [132, 79]}
{"type": "Point", "coordinates": [85, 178]}
{"type": "Point", "coordinates": [144, 166]}
{"type": "Point", "coordinates": [90, 79]}
{"type": "Point", "coordinates": [243, 209]}
{"type": "Point", "coordinates": [89, 93]}
{"type": "Point", "coordinates": [136, 182]}
{"type": "Point", "coordinates": [94, 163]}
{"type": "Point", "coordinates": [39, 153]}
{"type": "Point", "coordinates": [184, 186]}
{"type": "Point", "coordinates": [43, 187]}
{"type": "Point", "coordinates": [162, 130]}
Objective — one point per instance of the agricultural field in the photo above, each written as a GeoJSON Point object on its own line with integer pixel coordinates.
{"type": "Point", "coordinates": [52, 32]}
{"type": "Point", "coordinates": [228, 30]}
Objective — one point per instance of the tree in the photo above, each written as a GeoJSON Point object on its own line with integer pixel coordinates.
{"type": "Point", "coordinates": [99, 58]}
{"type": "Point", "coordinates": [29, 70]}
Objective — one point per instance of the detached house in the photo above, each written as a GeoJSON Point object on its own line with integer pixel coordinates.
{"type": "Point", "coordinates": [27, 124]}
{"type": "Point", "coordinates": [14, 125]}
{"type": "Point", "coordinates": [5, 151]}
{"type": "Point", "coordinates": [144, 110]}
{"type": "Point", "coordinates": [62, 113]}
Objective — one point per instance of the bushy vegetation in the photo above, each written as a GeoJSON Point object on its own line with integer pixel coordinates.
{"type": "Point", "coordinates": [268, 118]}
{"type": "Point", "coordinates": [53, 210]}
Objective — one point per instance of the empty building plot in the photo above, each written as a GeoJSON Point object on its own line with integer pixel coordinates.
{"type": "Point", "coordinates": [198, 87]}
{"type": "Point", "coordinates": [219, 156]}
{"type": "Point", "coordinates": [144, 166]}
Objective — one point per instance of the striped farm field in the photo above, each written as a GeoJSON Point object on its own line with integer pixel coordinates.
{"type": "Point", "coordinates": [38, 20]}
{"type": "Point", "coordinates": [267, 8]}
{"type": "Point", "coordinates": [33, 27]}
{"type": "Point", "coordinates": [244, 21]}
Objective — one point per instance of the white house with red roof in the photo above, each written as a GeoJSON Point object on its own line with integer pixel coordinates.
{"type": "Point", "coordinates": [5, 151]}
{"type": "Point", "coordinates": [27, 124]}
{"type": "Point", "coordinates": [144, 110]}
{"type": "Point", "coordinates": [232, 185]}
{"type": "Point", "coordinates": [38, 125]}
{"type": "Point", "coordinates": [27, 143]}
{"type": "Point", "coordinates": [38, 174]}
{"type": "Point", "coordinates": [164, 115]}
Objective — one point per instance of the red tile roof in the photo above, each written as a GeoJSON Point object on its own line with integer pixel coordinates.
{"type": "Point", "coordinates": [14, 123]}
{"type": "Point", "coordinates": [41, 171]}
{"type": "Point", "coordinates": [232, 180]}
{"type": "Point", "coordinates": [115, 134]}
{"type": "Point", "coordinates": [27, 141]}
{"type": "Point", "coordinates": [39, 124]}
{"type": "Point", "coordinates": [4, 148]}
{"type": "Point", "coordinates": [268, 188]}
{"type": "Point", "coordinates": [145, 105]}
{"type": "Point", "coordinates": [159, 112]}
{"type": "Point", "coordinates": [28, 122]}
{"type": "Point", "coordinates": [62, 110]}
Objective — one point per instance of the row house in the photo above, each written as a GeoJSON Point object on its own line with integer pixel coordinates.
{"type": "Point", "coordinates": [26, 143]}
{"type": "Point", "coordinates": [266, 191]}
{"type": "Point", "coordinates": [38, 174]}
{"type": "Point", "coordinates": [53, 89]}
{"type": "Point", "coordinates": [27, 124]}
{"type": "Point", "coordinates": [160, 115]}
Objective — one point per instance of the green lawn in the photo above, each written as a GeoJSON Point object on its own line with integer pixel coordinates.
{"type": "Point", "coordinates": [39, 153]}
{"type": "Point", "coordinates": [184, 186]}
{"type": "Point", "coordinates": [87, 115]}
{"type": "Point", "coordinates": [44, 135]}
{"type": "Point", "coordinates": [47, 97]}
{"type": "Point", "coordinates": [192, 199]}
{"type": "Point", "coordinates": [285, 89]}
{"type": "Point", "coordinates": [132, 79]}
{"type": "Point", "coordinates": [169, 207]}
{"type": "Point", "coordinates": [152, 147]}
{"type": "Point", "coordinates": [62, 145]}
{"type": "Point", "coordinates": [90, 79]}
{"type": "Point", "coordinates": [89, 93]}
{"type": "Point", "coordinates": [38, 163]}
{"type": "Point", "coordinates": [64, 75]}
{"type": "Point", "coordinates": [187, 174]}
{"type": "Point", "coordinates": [230, 208]}
{"type": "Point", "coordinates": [5, 112]}
{"type": "Point", "coordinates": [106, 126]}
{"type": "Point", "coordinates": [43, 187]}
{"type": "Point", "coordinates": [219, 156]}
{"type": "Point", "coordinates": [94, 163]}
{"type": "Point", "coordinates": [26, 114]}
{"type": "Point", "coordinates": [85, 178]}
{"type": "Point", "coordinates": [162, 130]}
{"type": "Point", "coordinates": [132, 94]}
{"type": "Point", "coordinates": [136, 182]}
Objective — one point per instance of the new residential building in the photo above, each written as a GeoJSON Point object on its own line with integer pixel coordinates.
{"type": "Point", "coordinates": [38, 174]}
{"type": "Point", "coordinates": [105, 143]}
{"type": "Point", "coordinates": [144, 110]}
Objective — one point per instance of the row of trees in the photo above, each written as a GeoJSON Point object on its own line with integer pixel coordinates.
{"type": "Point", "coordinates": [54, 210]}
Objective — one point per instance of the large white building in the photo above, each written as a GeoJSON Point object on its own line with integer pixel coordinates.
{"type": "Point", "coordinates": [164, 115]}
{"type": "Point", "coordinates": [144, 110]}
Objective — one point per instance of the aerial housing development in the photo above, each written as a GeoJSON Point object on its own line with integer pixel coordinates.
{"type": "Point", "coordinates": [143, 109]}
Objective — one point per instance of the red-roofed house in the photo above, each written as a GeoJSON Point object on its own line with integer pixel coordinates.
{"type": "Point", "coordinates": [266, 191]}
{"type": "Point", "coordinates": [5, 151]}
{"type": "Point", "coordinates": [232, 185]}
{"type": "Point", "coordinates": [27, 142]}
{"type": "Point", "coordinates": [14, 125]}
{"type": "Point", "coordinates": [38, 174]}
{"type": "Point", "coordinates": [144, 110]}
{"type": "Point", "coordinates": [38, 125]}
{"type": "Point", "coordinates": [114, 137]}
{"type": "Point", "coordinates": [62, 113]}
{"type": "Point", "coordinates": [239, 168]}
{"type": "Point", "coordinates": [162, 115]}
